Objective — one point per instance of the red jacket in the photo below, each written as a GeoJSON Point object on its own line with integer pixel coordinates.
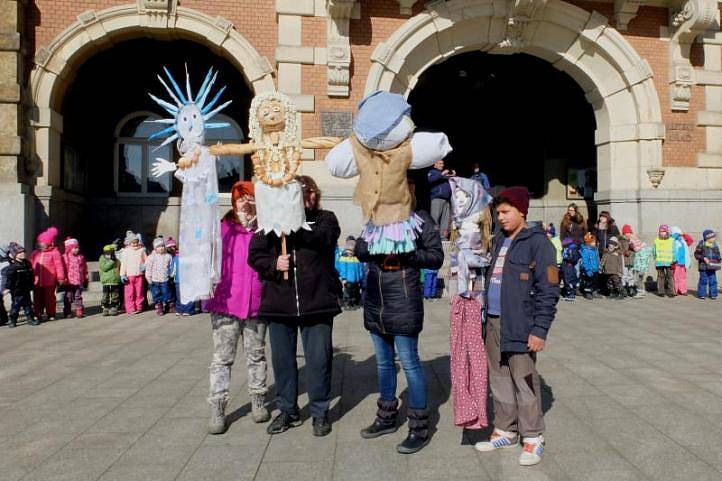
{"type": "Point", "coordinates": [48, 267]}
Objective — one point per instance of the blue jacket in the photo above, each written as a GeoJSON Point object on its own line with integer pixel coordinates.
{"type": "Point", "coordinates": [570, 254]}
{"type": "Point", "coordinates": [529, 287]}
{"type": "Point", "coordinates": [350, 269]}
{"type": "Point", "coordinates": [481, 177]}
{"type": "Point", "coordinates": [440, 188]}
{"type": "Point", "coordinates": [590, 260]}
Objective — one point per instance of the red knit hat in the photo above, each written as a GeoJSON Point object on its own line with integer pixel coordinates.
{"type": "Point", "coordinates": [516, 197]}
{"type": "Point", "coordinates": [626, 229]}
{"type": "Point", "coordinates": [243, 187]}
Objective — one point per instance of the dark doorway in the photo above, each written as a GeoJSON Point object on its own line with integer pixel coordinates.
{"type": "Point", "coordinates": [521, 119]}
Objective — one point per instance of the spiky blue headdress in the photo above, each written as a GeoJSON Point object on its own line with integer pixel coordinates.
{"type": "Point", "coordinates": [190, 114]}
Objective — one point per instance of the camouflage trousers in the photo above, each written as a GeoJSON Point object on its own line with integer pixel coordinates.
{"type": "Point", "coordinates": [227, 330]}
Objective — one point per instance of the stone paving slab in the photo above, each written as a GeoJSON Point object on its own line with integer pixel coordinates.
{"type": "Point", "coordinates": [633, 391]}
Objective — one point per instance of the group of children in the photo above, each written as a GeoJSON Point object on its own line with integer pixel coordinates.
{"type": "Point", "coordinates": [35, 281]}
{"type": "Point", "coordinates": [620, 269]}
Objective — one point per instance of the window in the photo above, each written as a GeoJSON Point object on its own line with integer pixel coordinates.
{"type": "Point", "coordinates": [230, 167]}
{"type": "Point", "coordinates": [135, 154]}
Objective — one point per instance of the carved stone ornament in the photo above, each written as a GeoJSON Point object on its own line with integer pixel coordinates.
{"type": "Point", "coordinates": [519, 16]}
{"type": "Point", "coordinates": [157, 12]}
{"type": "Point", "coordinates": [694, 18]}
{"type": "Point", "coordinates": [655, 176]}
{"type": "Point", "coordinates": [338, 48]}
{"type": "Point", "coordinates": [625, 11]}
{"type": "Point", "coordinates": [406, 6]}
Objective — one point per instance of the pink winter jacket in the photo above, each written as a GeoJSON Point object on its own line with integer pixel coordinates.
{"type": "Point", "coordinates": [49, 267]}
{"type": "Point", "coordinates": [77, 268]}
{"type": "Point", "coordinates": [132, 260]}
{"type": "Point", "coordinates": [239, 291]}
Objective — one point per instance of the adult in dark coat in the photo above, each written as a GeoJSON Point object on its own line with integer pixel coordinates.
{"type": "Point", "coordinates": [307, 301]}
{"type": "Point", "coordinates": [605, 229]}
{"type": "Point", "coordinates": [394, 316]}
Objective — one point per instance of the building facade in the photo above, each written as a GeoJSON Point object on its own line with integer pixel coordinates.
{"type": "Point", "coordinates": [614, 105]}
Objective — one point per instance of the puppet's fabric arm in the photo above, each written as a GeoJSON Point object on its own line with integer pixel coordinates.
{"type": "Point", "coordinates": [232, 149]}
{"type": "Point", "coordinates": [340, 161]}
{"type": "Point", "coordinates": [320, 142]}
{"type": "Point", "coordinates": [428, 148]}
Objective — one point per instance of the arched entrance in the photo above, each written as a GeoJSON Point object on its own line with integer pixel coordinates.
{"type": "Point", "coordinates": [118, 51]}
{"type": "Point", "coordinates": [616, 81]}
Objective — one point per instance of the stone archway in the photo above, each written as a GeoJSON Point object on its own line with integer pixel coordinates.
{"type": "Point", "coordinates": [617, 82]}
{"type": "Point", "coordinates": [96, 31]}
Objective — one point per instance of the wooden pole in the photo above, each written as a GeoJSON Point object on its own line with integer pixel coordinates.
{"type": "Point", "coordinates": [284, 252]}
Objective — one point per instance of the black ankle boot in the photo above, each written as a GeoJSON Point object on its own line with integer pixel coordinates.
{"type": "Point", "coordinates": [385, 422]}
{"type": "Point", "coordinates": [418, 432]}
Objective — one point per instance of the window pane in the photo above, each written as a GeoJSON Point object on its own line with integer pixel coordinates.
{"type": "Point", "coordinates": [130, 168]}
{"type": "Point", "coordinates": [163, 184]}
{"type": "Point", "coordinates": [137, 127]}
{"type": "Point", "coordinates": [230, 167]}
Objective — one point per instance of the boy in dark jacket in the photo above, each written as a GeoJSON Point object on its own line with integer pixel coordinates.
{"type": "Point", "coordinates": [351, 272]}
{"type": "Point", "coordinates": [707, 254]}
{"type": "Point", "coordinates": [570, 259]}
{"type": "Point", "coordinates": [19, 281]}
{"type": "Point", "coordinates": [521, 299]}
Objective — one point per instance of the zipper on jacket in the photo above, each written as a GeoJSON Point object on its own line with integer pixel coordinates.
{"type": "Point", "coordinates": [381, 309]}
{"type": "Point", "coordinates": [403, 280]}
{"type": "Point", "coordinates": [295, 284]}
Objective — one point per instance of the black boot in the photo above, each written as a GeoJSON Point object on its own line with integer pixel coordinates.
{"type": "Point", "coordinates": [418, 432]}
{"type": "Point", "coordinates": [385, 422]}
{"type": "Point", "coordinates": [12, 322]}
{"type": "Point", "coordinates": [321, 426]}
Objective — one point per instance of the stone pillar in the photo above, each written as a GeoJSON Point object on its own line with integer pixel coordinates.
{"type": "Point", "coordinates": [15, 201]}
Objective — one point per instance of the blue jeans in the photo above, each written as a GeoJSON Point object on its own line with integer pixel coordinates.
{"type": "Point", "coordinates": [407, 347]}
{"type": "Point", "coordinates": [430, 284]}
{"type": "Point", "coordinates": [180, 308]}
{"type": "Point", "coordinates": [707, 278]}
{"type": "Point", "coordinates": [160, 292]}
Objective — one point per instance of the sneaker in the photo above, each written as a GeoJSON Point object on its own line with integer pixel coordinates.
{"type": "Point", "coordinates": [283, 423]}
{"type": "Point", "coordinates": [185, 314]}
{"type": "Point", "coordinates": [533, 451]}
{"type": "Point", "coordinates": [569, 299]}
{"type": "Point", "coordinates": [321, 426]}
{"type": "Point", "coordinates": [702, 298]}
{"type": "Point", "coordinates": [498, 440]}
{"type": "Point", "coordinates": [588, 296]}
{"type": "Point", "coordinates": [106, 312]}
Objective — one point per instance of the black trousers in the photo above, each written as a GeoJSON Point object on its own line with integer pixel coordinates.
{"type": "Point", "coordinates": [21, 301]}
{"type": "Point", "coordinates": [3, 312]}
{"type": "Point", "coordinates": [318, 352]}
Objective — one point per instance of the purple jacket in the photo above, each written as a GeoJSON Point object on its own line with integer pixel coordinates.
{"type": "Point", "coordinates": [239, 291]}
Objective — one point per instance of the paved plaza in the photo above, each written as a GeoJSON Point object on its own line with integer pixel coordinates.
{"type": "Point", "coordinates": [633, 391]}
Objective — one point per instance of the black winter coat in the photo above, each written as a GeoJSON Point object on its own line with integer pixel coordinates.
{"type": "Point", "coordinates": [19, 277]}
{"type": "Point", "coordinates": [313, 287]}
{"type": "Point", "coordinates": [394, 300]}
{"type": "Point", "coordinates": [529, 287]}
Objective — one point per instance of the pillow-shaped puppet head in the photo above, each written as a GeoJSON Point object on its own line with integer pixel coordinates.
{"type": "Point", "coordinates": [383, 121]}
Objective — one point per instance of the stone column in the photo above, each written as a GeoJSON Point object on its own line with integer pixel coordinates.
{"type": "Point", "coordinates": [15, 201]}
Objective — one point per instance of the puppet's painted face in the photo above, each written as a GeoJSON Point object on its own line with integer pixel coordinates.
{"type": "Point", "coordinates": [461, 198]}
{"type": "Point", "coordinates": [271, 116]}
{"type": "Point", "coordinates": [189, 123]}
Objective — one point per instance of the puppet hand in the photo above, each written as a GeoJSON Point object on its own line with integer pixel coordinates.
{"type": "Point", "coordinates": [162, 167]}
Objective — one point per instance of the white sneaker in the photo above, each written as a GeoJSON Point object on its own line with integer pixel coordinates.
{"type": "Point", "coordinates": [533, 451]}
{"type": "Point", "coordinates": [498, 440]}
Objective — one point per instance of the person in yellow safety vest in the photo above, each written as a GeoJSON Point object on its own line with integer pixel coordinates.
{"type": "Point", "coordinates": [664, 257]}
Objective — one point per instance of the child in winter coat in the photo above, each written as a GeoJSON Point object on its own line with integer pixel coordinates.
{"type": "Point", "coordinates": [613, 267]}
{"type": "Point", "coordinates": [171, 247]}
{"type": "Point", "coordinates": [77, 270]}
{"type": "Point", "coordinates": [707, 254]}
{"type": "Point", "coordinates": [682, 260]}
{"type": "Point", "coordinates": [664, 258]}
{"type": "Point", "coordinates": [556, 242]}
{"type": "Point", "coordinates": [351, 272]}
{"type": "Point", "coordinates": [590, 266]}
{"type": "Point", "coordinates": [629, 283]}
{"type": "Point", "coordinates": [642, 257]}
{"type": "Point", "coordinates": [49, 270]}
{"type": "Point", "coordinates": [132, 265]}
{"type": "Point", "coordinates": [19, 276]}
{"type": "Point", "coordinates": [570, 259]}
{"type": "Point", "coordinates": [181, 309]}
{"type": "Point", "coordinates": [109, 267]}
{"type": "Point", "coordinates": [4, 262]}
{"type": "Point", "coordinates": [157, 267]}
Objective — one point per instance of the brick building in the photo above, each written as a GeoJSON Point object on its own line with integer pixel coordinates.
{"type": "Point", "coordinates": [611, 104]}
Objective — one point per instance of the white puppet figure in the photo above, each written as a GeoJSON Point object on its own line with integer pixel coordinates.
{"type": "Point", "coordinates": [198, 238]}
{"type": "Point", "coordinates": [381, 149]}
{"type": "Point", "coordinates": [471, 235]}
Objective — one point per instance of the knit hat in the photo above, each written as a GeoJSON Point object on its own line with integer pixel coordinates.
{"type": "Point", "coordinates": [516, 197]}
{"type": "Point", "coordinates": [613, 241]}
{"type": "Point", "coordinates": [664, 228]}
{"type": "Point", "coordinates": [108, 249]}
{"type": "Point", "coordinates": [171, 242]}
{"type": "Point", "coordinates": [241, 188]}
{"type": "Point", "coordinates": [130, 236]}
{"type": "Point", "coordinates": [589, 238]}
{"type": "Point", "coordinates": [158, 242]}
{"type": "Point", "coordinates": [14, 249]}
{"type": "Point", "coordinates": [626, 229]}
{"type": "Point", "coordinates": [707, 234]}
{"type": "Point", "coordinates": [70, 243]}
{"type": "Point", "coordinates": [48, 236]}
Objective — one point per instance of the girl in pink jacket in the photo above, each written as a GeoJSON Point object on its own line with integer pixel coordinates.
{"type": "Point", "coordinates": [49, 270]}
{"type": "Point", "coordinates": [77, 269]}
{"type": "Point", "coordinates": [132, 266]}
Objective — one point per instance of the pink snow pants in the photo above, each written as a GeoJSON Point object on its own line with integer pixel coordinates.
{"type": "Point", "coordinates": [134, 294]}
{"type": "Point", "coordinates": [680, 279]}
